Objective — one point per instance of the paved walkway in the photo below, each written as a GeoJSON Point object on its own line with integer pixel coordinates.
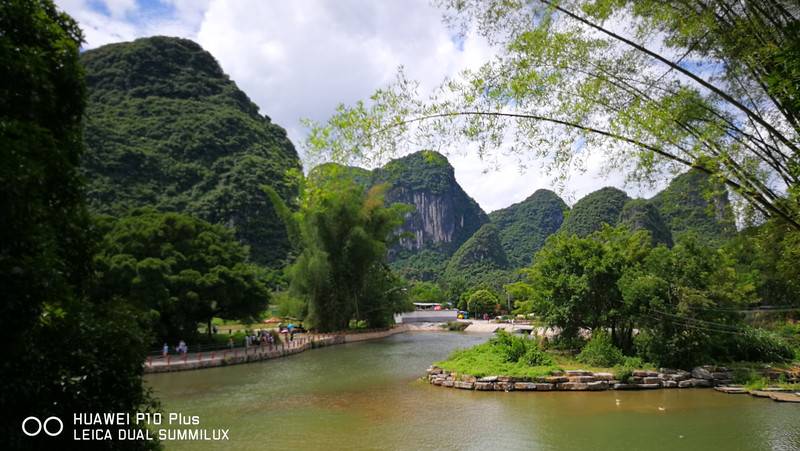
{"type": "Point", "coordinates": [222, 357]}
{"type": "Point", "coordinates": [234, 355]}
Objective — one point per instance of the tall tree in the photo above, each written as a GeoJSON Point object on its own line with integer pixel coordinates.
{"type": "Point", "coordinates": [343, 232]}
{"type": "Point", "coordinates": [574, 281]}
{"type": "Point", "coordinates": [654, 86]}
{"type": "Point", "coordinates": [63, 352]}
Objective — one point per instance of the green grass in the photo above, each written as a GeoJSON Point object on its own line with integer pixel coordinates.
{"type": "Point", "coordinates": [511, 355]}
{"type": "Point", "coordinates": [485, 360]}
{"type": "Point", "coordinates": [763, 382]}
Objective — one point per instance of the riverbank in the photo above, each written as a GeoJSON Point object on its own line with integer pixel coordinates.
{"type": "Point", "coordinates": [580, 380]}
{"type": "Point", "coordinates": [369, 395]}
{"type": "Point", "coordinates": [236, 356]}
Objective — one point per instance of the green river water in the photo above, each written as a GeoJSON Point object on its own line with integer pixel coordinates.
{"type": "Point", "coordinates": [368, 396]}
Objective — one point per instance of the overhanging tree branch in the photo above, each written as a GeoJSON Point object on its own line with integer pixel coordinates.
{"type": "Point", "coordinates": [722, 94]}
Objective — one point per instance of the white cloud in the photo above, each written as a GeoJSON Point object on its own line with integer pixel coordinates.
{"type": "Point", "coordinates": [120, 8]}
{"type": "Point", "coordinates": [301, 58]}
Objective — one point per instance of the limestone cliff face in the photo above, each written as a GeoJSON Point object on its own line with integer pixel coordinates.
{"type": "Point", "coordinates": [437, 220]}
{"type": "Point", "coordinates": [444, 216]}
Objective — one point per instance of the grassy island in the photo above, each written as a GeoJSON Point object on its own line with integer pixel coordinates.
{"type": "Point", "coordinates": [518, 356]}
{"type": "Point", "coordinates": [504, 354]}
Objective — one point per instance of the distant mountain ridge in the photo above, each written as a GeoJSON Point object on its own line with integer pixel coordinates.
{"type": "Point", "coordinates": [167, 128]}
{"type": "Point", "coordinates": [448, 233]}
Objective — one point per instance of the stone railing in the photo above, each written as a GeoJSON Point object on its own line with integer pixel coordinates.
{"type": "Point", "coordinates": [580, 380]}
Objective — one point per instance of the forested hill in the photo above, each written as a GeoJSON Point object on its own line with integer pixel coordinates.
{"type": "Point", "coordinates": [524, 226]}
{"type": "Point", "coordinates": [595, 209]}
{"type": "Point", "coordinates": [166, 127]}
{"type": "Point", "coordinates": [480, 261]}
{"type": "Point", "coordinates": [694, 203]}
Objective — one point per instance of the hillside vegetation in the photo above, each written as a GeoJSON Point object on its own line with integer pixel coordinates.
{"type": "Point", "coordinates": [694, 203]}
{"type": "Point", "coordinates": [524, 226]}
{"type": "Point", "coordinates": [593, 210]}
{"type": "Point", "coordinates": [640, 214]}
{"type": "Point", "coordinates": [165, 127]}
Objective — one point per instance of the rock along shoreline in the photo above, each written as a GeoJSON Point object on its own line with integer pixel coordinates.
{"type": "Point", "coordinates": [707, 376]}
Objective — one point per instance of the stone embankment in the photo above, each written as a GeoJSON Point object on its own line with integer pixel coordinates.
{"type": "Point", "coordinates": [196, 361]}
{"type": "Point", "coordinates": [580, 380]}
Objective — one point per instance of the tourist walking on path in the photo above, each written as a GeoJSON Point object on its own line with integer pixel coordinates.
{"type": "Point", "coordinates": [165, 350]}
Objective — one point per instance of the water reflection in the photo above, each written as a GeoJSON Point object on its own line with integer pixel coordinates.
{"type": "Point", "coordinates": [368, 396]}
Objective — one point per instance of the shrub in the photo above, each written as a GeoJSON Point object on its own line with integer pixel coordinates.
{"type": "Point", "coordinates": [624, 372]}
{"type": "Point", "coordinates": [565, 343]}
{"type": "Point", "coordinates": [536, 357]}
{"type": "Point", "coordinates": [635, 362]}
{"type": "Point", "coordinates": [457, 326]}
{"type": "Point", "coordinates": [758, 345]}
{"type": "Point", "coordinates": [745, 376]}
{"type": "Point", "coordinates": [676, 351]}
{"type": "Point", "coordinates": [515, 348]}
{"type": "Point", "coordinates": [600, 351]}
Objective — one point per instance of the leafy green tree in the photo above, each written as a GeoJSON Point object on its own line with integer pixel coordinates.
{"type": "Point", "coordinates": [63, 352]}
{"type": "Point", "coordinates": [480, 302]}
{"type": "Point", "coordinates": [652, 86]}
{"type": "Point", "coordinates": [770, 252]}
{"type": "Point", "coordinates": [426, 292]}
{"type": "Point", "coordinates": [574, 281]}
{"type": "Point", "coordinates": [343, 233]}
{"type": "Point", "coordinates": [685, 301]}
{"type": "Point", "coordinates": [183, 269]}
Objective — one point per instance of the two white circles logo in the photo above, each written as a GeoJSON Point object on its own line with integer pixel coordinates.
{"type": "Point", "coordinates": [32, 426]}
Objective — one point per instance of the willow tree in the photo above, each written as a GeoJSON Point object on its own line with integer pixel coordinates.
{"type": "Point", "coordinates": [654, 86]}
